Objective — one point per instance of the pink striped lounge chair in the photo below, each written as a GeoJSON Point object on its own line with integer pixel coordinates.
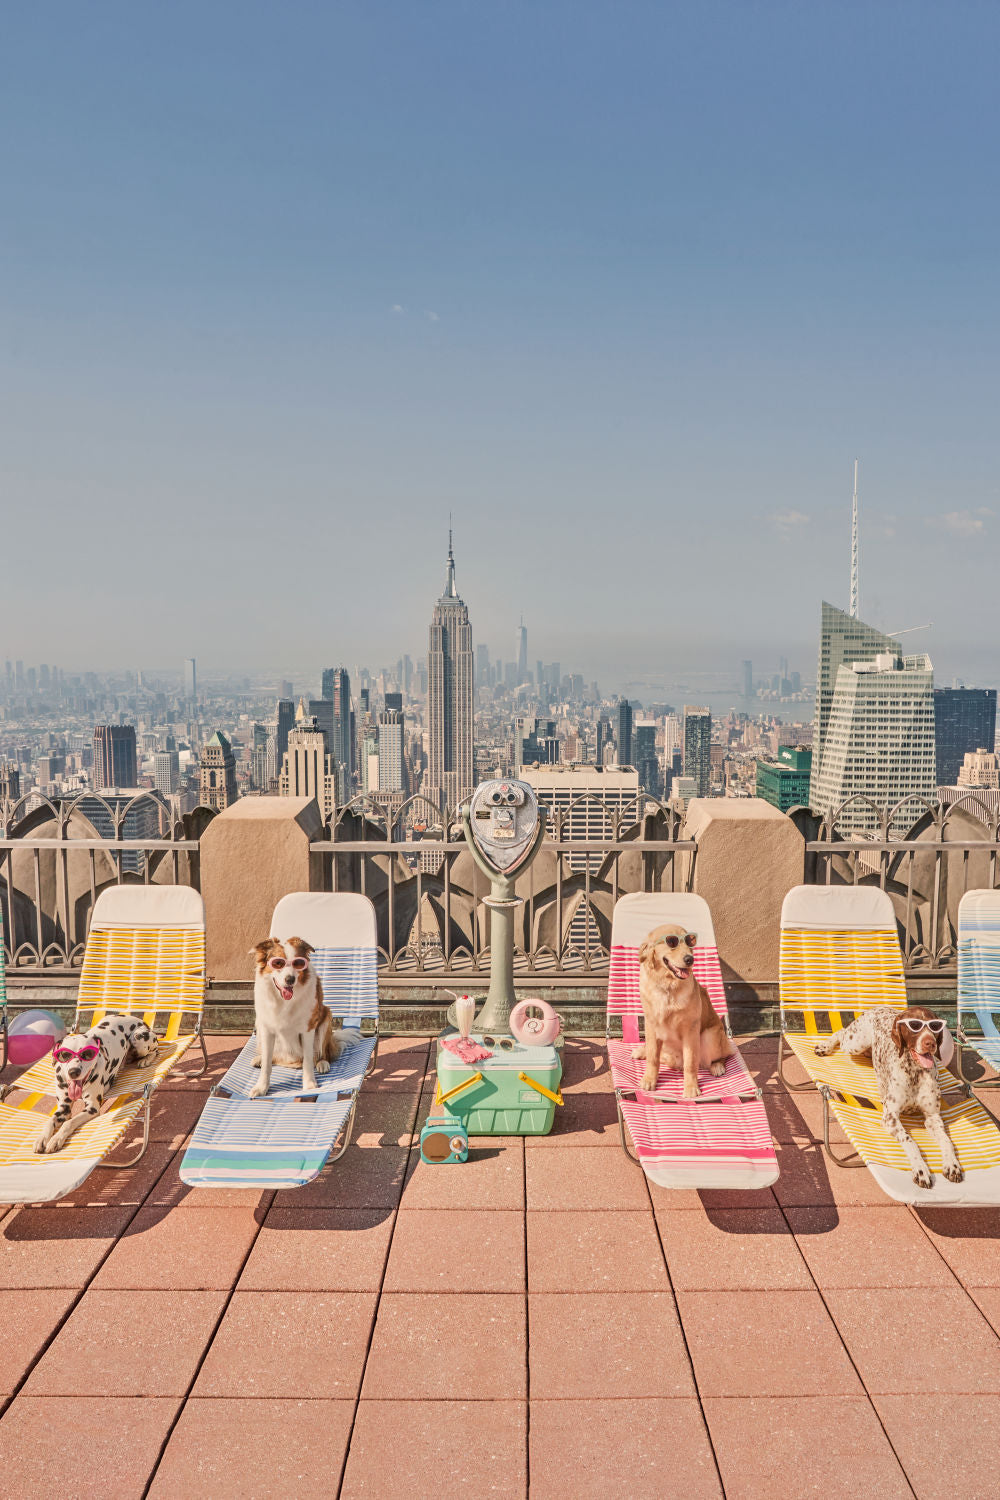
{"type": "Point", "coordinates": [721, 1140]}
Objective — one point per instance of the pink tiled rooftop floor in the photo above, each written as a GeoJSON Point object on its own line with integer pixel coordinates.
{"type": "Point", "coordinates": [538, 1321]}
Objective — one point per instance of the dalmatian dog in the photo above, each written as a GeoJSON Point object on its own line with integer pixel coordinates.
{"type": "Point", "coordinates": [86, 1065]}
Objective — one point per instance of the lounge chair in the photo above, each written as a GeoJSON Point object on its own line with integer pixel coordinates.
{"type": "Point", "coordinates": [979, 980]}
{"type": "Point", "coordinates": [285, 1139]}
{"type": "Point", "coordinates": [145, 955]}
{"type": "Point", "coordinates": [840, 956]}
{"type": "Point", "coordinates": [721, 1140]}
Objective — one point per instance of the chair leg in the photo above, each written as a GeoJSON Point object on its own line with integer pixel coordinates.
{"type": "Point", "coordinates": [3, 1028]}
{"type": "Point", "coordinates": [373, 1059]}
{"type": "Point", "coordinates": [204, 1055]}
{"type": "Point", "coordinates": [632, 1155]}
{"type": "Point", "coordinates": [973, 1084]}
{"type": "Point", "coordinates": [793, 1088]}
{"type": "Point", "coordinates": [348, 1131]}
{"type": "Point", "coordinates": [854, 1160]}
{"type": "Point", "coordinates": [119, 1166]}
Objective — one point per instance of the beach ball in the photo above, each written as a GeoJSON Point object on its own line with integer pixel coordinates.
{"type": "Point", "coordinates": [32, 1035]}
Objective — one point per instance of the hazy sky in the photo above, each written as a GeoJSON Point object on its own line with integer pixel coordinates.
{"type": "Point", "coordinates": [627, 287]}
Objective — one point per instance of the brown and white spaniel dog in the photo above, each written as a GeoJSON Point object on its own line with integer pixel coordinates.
{"type": "Point", "coordinates": [906, 1047]}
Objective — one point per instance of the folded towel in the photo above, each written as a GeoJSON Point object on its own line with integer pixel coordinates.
{"type": "Point", "coordinates": [466, 1049]}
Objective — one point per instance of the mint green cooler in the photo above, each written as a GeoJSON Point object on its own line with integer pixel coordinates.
{"type": "Point", "coordinates": [501, 1101]}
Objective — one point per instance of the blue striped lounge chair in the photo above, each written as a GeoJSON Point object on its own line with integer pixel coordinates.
{"type": "Point", "coordinates": [979, 979]}
{"type": "Point", "coordinates": [285, 1139]}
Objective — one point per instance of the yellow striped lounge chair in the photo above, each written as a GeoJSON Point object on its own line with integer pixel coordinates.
{"type": "Point", "coordinates": [840, 956]}
{"type": "Point", "coordinates": [145, 955]}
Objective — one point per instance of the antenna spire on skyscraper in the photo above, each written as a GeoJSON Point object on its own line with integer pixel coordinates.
{"type": "Point", "coordinates": [450, 591]}
{"type": "Point", "coordinates": [853, 611]}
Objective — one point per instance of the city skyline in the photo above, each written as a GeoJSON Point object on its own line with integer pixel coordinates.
{"type": "Point", "coordinates": [693, 303]}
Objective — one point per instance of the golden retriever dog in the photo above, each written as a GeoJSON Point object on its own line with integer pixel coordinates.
{"type": "Point", "coordinates": [682, 1029]}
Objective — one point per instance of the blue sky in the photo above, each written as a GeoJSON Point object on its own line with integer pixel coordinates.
{"type": "Point", "coordinates": [626, 287]}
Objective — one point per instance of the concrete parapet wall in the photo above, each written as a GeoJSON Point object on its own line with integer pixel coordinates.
{"type": "Point", "coordinates": [251, 855]}
{"type": "Point", "coordinates": [748, 858]}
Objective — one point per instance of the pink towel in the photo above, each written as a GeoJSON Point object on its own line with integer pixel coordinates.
{"type": "Point", "coordinates": [468, 1050]}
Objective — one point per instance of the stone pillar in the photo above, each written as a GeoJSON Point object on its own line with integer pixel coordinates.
{"type": "Point", "coordinates": [748, 858]}
{"type": "Point", "coordinates": [251, 855]}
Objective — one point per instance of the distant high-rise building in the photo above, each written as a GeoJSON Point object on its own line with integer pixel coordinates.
{"type": "Point", "coordinates": [321, 709]}
{"type": "Point", "coordinates": [337, 690]}
{"type": "Point", "coordinates": [605, 737]}
{"type": "Point", "coordinates": [879, 741]}
{"type": "Point", "coordinates": [979, 768]}
{"type": "Point", "coordinates": [260, 770]}
{"type": "Point", "coordinates": [391, 776]}
{"type": "Point", "coordinates": [114, 756]}
{"type": "Point", "coordinates": [521, 640]}
{"type": "Point", "coordinates": [191, 680]}
{"type": "Point", "coordinates": [785, 783]}
{"type": "Point", "coordinates": [748, 679]}
{"type": "Point", "coordinates": [842, 640]}
{"type": "Point", "coordinates": [285, 724]}
{"type": "Point", "coordinates": [307, 769]}
{"type": "Point", "coordinates": [482, 666]}
{"type": "Point", "coordinates": [394, 701]}
{"type": "Point", "coordinates": [624, 732]}
{"type": "Point", "coordinates": [166, 772]}
{"type": "Point", "coordinates": [698, 748]}
{"type": "Point", "coordinates": [217, 773]}
{"type": "Point", "coordinates": [644, 755]}
{"type": "Point", "coordinates": [964, 719]}
{"type": "Point", "coordinates": [10, 781]}
{"type": "Point", "coordinates": [535, 742]}
{"type": "Point", "coordinates": [450, 695]}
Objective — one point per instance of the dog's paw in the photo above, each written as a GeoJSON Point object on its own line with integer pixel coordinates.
{"type": "Point", "coordinates": [717, 1068]}
{"type": "Point", "coordinates": [954, 1172]}
{"type": "Point", "coordinates": [256, 1061]}
{"type": "Point", "coordinates": [648, 1084]}
{"type": "Point", "coordinates": [259, 1090]}
{"type": "Point", "coordinates": [322, 1066]}
{"type": "Point", "coordinates": [639, 1052]}
{"type": "Point", "coordinates": [691, 1091]}
{"type": "Point", "coordinates": [41, 1145]}
{"type": "Point", "coordinates": [823, 1049]}
{"type": "Point", "coordinates": [923, 1178]}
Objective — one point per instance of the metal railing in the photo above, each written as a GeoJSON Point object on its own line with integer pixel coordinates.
{"type": "Point", "coordinates": [947, 849]}
{"type": "Point", "coordinates": [54, 864]}
{"type": "Point", "coordinates": [413, 863]}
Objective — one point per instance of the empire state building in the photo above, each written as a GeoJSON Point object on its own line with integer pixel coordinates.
{"type": "Point", "coordinates": [450, 677]}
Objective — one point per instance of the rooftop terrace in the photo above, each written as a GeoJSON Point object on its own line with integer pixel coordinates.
{"type": "Point", "coordinates": [537, 1321]}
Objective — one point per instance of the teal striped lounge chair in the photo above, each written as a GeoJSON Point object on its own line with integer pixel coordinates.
{"type": "Point", "coordinates": [979, 979]}
{"type": "Point", "coordinates": [286, 1139]}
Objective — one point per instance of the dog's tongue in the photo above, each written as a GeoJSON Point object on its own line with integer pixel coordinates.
{"type": "Point", "coordinates": [923, 1059]}
{"type": "Point", "coordinates": [286, 992]}
{"type": "Point", "coordinates": [74, 1089]}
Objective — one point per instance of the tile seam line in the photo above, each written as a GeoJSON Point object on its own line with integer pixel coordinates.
{"type": "Point", "coordinates": [527, 1327]}
{"type": "Point", "coordinates": [182, 1404]}
{"type": "Point", "coordinates": [414, 1144]}
{"type": "Point", "coordinates": [684, 1337]}
{"type": "Point", "coordinates": [88, 1283]}
{"type": "Point", "coordinates": [843, 1345]}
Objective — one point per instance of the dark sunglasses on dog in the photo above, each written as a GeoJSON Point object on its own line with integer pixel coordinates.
{"type": "Point", "coordinates": [673, 941]}
{"type": "Point", "coordinates": [914, 1025]}
{"type": "Point", "coordinates": [289, 963]}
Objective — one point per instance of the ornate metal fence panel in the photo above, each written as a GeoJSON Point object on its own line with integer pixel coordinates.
{"type": "Point", "coordinates": [947, 849]}
{"type": "Point", "coordinates": [57, 856]}
{"type": "Point", "coordinates": [411, 860]}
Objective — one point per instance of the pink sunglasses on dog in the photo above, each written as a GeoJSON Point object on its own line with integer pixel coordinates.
{"type": "Point", "coordinates": [289, 963]}
{"type": "Point", "coordinates": [86, 1053]}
